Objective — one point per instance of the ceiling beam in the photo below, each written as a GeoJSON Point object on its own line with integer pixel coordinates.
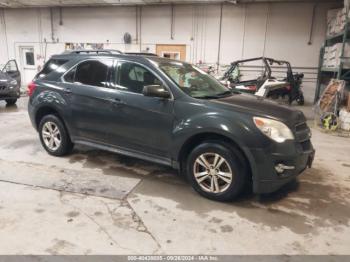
{"type": "Point", "coordinates": [91, 3]}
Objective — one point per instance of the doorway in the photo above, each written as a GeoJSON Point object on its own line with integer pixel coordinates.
{"type": "Point", "coordinates": [28, 63]}
{"type": "Point", "coordinates": [177, 52]}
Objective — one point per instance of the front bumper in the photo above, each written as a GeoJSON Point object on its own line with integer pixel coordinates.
{"type": "Point", "coordinates": [293, 154]}
{"type": "Point", "coordinates": [7, 93]}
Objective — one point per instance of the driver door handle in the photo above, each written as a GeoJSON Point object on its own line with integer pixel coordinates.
{"type": "Point", "coordinates": [117, 102]}
{"type": "Point", "coordinates": [67, 90]}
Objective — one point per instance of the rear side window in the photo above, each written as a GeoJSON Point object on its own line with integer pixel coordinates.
{"type": "Point", "coordinates": [50, 66]}
{"type": "Point", "coordinates": [92, 72]}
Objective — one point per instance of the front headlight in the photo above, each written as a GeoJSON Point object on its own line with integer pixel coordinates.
{"type": "Point", "coordinates": [275, 130]}
{"type": "Point", "coordinates": [13, 82]}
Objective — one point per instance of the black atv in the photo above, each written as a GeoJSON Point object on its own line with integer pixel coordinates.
{"type": "Point", "coordinates": [288, 86]}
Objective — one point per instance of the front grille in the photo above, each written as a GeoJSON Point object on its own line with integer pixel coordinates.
{"type": "Point", "coordinates": [3, 87]}
{"type": "Point", "coordinates": [302, 135]}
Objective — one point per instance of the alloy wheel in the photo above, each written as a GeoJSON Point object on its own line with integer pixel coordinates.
{"type": "Point", "coordinates": [51, 136]}
{"type": "Point", "coordinates": [212, 172]}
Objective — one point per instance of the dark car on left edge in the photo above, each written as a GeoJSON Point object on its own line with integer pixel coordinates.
{"type": "Point", "coordinates": [10, 83]}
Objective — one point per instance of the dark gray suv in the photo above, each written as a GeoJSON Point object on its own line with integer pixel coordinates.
{"type": "Point", "coordinates": [172, 113]}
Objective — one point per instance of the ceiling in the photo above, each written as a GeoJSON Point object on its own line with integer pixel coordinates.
{"type": "Point", "coordinates": [65, 3]}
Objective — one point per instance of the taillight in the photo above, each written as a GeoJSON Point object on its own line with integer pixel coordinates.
{"type": "Point", "coordinates": [31, 88]}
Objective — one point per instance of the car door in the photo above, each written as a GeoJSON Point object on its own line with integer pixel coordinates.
{"type": "Point", "coordinates": [11, 69]}
{"type": "Point", "coordinates": [86, 90]}
{"type": "Point", "coordinates": [141, 123]}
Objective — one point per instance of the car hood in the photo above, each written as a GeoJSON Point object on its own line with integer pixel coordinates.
{"type": "Point", "coordinates": [4, 78]}
{"type": "Point", "coordinates": [260, 107]}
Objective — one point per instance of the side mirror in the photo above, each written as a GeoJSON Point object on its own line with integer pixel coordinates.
{"type": "Point", "coordinates": [155, 91]}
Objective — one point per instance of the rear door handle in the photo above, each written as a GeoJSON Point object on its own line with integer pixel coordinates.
{"type": "Point", "coordinates": [67, 90]}
{"type": "Point", "coordinates": [117, 102]}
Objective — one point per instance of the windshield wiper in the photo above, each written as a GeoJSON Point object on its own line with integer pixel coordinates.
{"type": "Point", "coordinates": [216, 96]}
{"type": "Point", "coordinates": [206, 97]}
{"type": "Point", "coordinates": [226, 93]}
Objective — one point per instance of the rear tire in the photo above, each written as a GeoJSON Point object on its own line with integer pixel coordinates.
{"type": "Point", "coordinates": [54, 136]}
{"type": "Point", "coordinates": [11, 102]}
{"type": "Point", "coordinates": [301, 100]}
{"type": "Point", "coordinates": [223, 173]}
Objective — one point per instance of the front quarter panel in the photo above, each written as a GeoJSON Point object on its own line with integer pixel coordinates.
{"type": "Point", "coordinates": [194, 118]}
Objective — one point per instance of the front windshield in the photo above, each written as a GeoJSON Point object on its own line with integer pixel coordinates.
{"type": "Point", "coordinates": [194, 81]}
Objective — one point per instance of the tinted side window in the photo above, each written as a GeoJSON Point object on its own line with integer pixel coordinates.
{"type": "Point", "coordinates": [50, 66]}
{"type": "Point", "coordinates": [133, 77]}
{"type": "Point", "coordinates": [69, 77]}
{"type": "Point", "coordinates": [92, 73]}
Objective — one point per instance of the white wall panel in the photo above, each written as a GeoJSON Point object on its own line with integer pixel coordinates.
{"type": "Point", "coordinates": [156, 23]}
{"type": "Point", "coordinates": [21, 27]}
{"type": "Point", "coordinates": [183, 23]}
{"type": "Point", "coordinates": [243, 29]}
{"type": "Point", "coordinates": [255, 30]}
{"type": "Point", "coordinates": [288, 30]}
{"type": "Point", "coordinates": [209, 23]}
{"type": "Point", "coordinates": [233, 26]}
{"type": "Point", "coordinates": [95, 25]}
{"type": "Point", "coordinates": [3, 43]}
{"type": "Point", "coordinates": [279, 30]}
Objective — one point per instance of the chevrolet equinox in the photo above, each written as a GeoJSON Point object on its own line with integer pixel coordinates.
{"type": "Point", "coordinates": [172, 113]}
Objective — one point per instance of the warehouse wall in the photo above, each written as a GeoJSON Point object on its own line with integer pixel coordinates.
{"type": "Point", "coordinates": [279, 30]}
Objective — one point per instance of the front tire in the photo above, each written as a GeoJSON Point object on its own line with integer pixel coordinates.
{"type": "Point", "coordinates": [11, 102]}
{"type": "Point", "coordinates": [54, 136]}
{"type": "Point", "coordinates": [216, 171]}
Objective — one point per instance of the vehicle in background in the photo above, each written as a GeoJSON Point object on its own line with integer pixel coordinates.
{"type": "Point", "coordinates": [10, 82]}
{"type": "Point", "coordinates": [266, 85]}
{"type": "Point", "coordinates": [172, 113]}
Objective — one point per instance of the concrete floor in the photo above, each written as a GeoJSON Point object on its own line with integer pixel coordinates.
{"type": "Point", "coordinates": [95, 202]}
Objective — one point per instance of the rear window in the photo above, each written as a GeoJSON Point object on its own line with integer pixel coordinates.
{"type": "Point", "coordinates": [50, 66]}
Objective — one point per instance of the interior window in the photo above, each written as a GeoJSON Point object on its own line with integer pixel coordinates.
{"type": "Point", "coordinates": [30, 58]}
{"type": "Point", "coordinates": [92, 73]}
{"type": "Point", "coordinates": [133, 77]}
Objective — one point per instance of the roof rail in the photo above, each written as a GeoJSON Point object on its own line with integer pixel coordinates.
{"type": "Point", "coordinates": [140, 53]}
{"type": "Point", "coordinates": [93, 51]}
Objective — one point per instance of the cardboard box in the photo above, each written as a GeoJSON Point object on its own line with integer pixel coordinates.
{"type": "Point", "coordinates": [332, 56]}
{"type": "Point", "coordinates": [344, 117]}
{"type": "Point", "coordinates": [346, 4]}
{"type": "Point", "coordinates": [336, 20]}
{"type": "Point", "coordinates": [348, 103]}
